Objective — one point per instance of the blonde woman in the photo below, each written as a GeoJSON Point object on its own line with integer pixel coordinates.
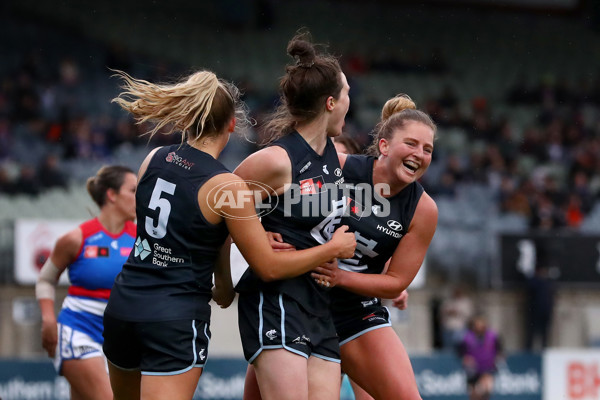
{"type": "Point", "coordinates": [156, 324]}
{"type": "Point", "coordinates": [400, 225]}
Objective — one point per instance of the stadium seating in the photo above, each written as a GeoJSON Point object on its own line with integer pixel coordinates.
{"type": "Point", "coordinates": [485, 56]}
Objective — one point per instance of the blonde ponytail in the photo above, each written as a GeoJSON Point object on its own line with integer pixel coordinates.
{"type": "Point", "coordinates": [199, 105]}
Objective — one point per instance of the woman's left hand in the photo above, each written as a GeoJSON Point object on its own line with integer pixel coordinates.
{"type": "Point", "coordinates": [327, 275]}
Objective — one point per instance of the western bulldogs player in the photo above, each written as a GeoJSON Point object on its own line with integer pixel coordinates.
{"type": "Point", "coordinates": [93, 254]}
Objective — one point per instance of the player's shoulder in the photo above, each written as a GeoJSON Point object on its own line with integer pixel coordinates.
{"type": "Point", "coordinates": [271, 157]}
{"type": "Point", "coordinates": [426, 213]}
{"type": "Point", "coordinates": [427, 203]}
{"type": "Point", "coordinates": [70, 242]}
{"type": "Point", "coordinates": [270, 165]}
{"type": "Point", "coordinates": [225, 177]}
{"type": "Point", "coordinates": [146, 162]}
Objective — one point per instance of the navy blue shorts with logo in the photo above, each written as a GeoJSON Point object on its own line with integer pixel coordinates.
{"type": "Point", "coordinates": [275, 321]}
{"type": "Point", "coordinates": [156, 348]}
{"type": "Point", "coordinates": [353, 323]}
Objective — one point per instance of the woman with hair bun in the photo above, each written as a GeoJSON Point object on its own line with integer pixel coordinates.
{"type": "Point", "coordinates": [399, 223]}
{"type": "Point", "coordinates": [157, 321]}
{"type": "Point", "coordinates": [393, 234]}
{"type": "Point", "coordinates": [93, 253]}
{"type": "Point", "coordinates": [286, 327]}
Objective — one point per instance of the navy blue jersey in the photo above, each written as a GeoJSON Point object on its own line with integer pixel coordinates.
{"type": "Point", "coordinates": [378, 227]}
{"type": "Point", "coordinates": [298, 215]}
{"type": "Point", "coordinates": [168, 275]}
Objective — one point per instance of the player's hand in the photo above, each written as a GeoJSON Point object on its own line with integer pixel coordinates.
{"type": "Point", "coordinates": [222, 296]}
{"type": "Point", "coordinates": [49, 337]}
{"type": "Point", "coordinates": [345, 242]}
{"type": "Point", "coordinates": [401, 302]}
{"type": "Point", "coordinates": [277, 243]}
{"type": "Point", "coordinates": [327, 275]}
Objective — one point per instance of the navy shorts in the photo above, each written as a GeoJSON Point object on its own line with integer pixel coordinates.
{"type": "Point", "coordinates": [351, 324]}
{"type": "Point", "coordinates": [156, 348]}
{"type": "Point", "coordinates": [275, 321]}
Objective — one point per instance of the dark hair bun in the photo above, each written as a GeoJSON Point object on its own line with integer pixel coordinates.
{"type": "Point", "coordinates": [302, 50]}
{"type": "Point", "coordinates": [90, 184]}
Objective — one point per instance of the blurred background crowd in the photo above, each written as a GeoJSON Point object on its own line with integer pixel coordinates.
{"type": "Point", "coordinates": [515, 92]}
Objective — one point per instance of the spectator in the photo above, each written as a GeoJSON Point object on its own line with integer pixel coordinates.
{"type": "Point", "coordinates": [6, 183]}
{"type": "Point", "coordinates": [448, 98]}
{"type": "Point", "coordinates": [515, 199]}
{"type": "Point", "coordinates": [49, 173]}
{"type": "Point", "coordinates": [446, 185]}
{"type": "Point", "coordinates": [546, 215]}
{"type": "Point", "coordinates": [455, 312]}
{"type": "Point", "coordinates": [25, 98]}
{"type": "Point", "coordinates": [574, 211]}
{"type": "Point", "coordinates": [480, 350]}
{"type": "Point", "coordinates": [540, 307]}
{"type": "Point", "coordinates": [27, 182]}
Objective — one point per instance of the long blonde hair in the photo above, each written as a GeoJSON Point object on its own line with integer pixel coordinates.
{"type": "Point", "coordinates": [200, 105]}
{"type": "Point", "coordinates": [396, 111]}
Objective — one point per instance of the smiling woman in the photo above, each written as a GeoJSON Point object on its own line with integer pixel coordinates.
{"type": "Point", "coordinates": [402, 149]}
{"type": "Point", "coordinates": [390, 251]}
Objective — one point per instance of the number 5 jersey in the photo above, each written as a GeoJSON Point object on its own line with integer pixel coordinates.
{"type": "Point", "coordinates": [168, 275]}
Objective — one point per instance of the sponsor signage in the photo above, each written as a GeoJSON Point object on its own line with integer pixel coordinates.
{"type": "Point", "coordinates": [439, 376]}
{"type": "Point", "coordinates": [34, 241]}
{"type": "Point", "coordinates": [572, 374]}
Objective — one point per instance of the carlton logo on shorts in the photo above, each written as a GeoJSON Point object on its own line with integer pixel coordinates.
{"type": "Point", "coordinates": [272, 334]}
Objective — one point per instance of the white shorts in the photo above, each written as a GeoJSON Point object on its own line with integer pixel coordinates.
{"type": "Point", "coordinates": [75, 345]}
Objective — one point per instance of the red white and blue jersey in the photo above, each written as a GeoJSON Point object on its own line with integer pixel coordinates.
{"type": "Point", "coordinates": [92, 275]}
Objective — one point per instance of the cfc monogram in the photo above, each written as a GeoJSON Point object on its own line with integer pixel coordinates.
{"type": "Point", "coordinates": [272, 334]}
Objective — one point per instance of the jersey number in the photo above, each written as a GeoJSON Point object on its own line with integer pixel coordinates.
{"type": "Point", "coordinates": [159, 230]}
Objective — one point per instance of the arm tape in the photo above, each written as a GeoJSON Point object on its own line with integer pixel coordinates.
{"type": "Point", "coordinates": [45, 288]}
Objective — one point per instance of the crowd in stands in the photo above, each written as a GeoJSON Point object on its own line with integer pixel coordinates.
{"type": "Point", "coordinates": [547, 171]}
{"type": "Point", "coordinates": [43, 122]}
{"type": "Point", "coordinates": [550, 173]}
